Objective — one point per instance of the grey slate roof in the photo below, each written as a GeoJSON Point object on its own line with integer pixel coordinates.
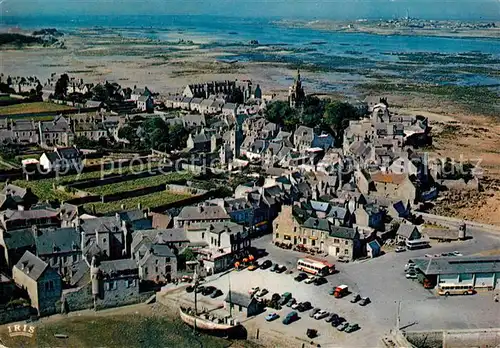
{"type": "Point", "coordinates": [14, 190]}
{"type": "Point", "coordinates": [405, 230]}
{"type": "Point", "coordinates": [334, 231]}
{"type": "Point", "coordinates": [162, 250]}
{"type": "Point", "coordinates": [101, 224]}
{"type": "Point", "coordinates": [28, 214]}
{"type": "Point", "coordinates": [118, 265]}
{"type": "Point", "coordinates": [31, 265]}
{"type": "Point", "coordinates": [454, 265]}
{"type": "Point", "coordinates": [203, 213]}
{"type": "Point", "coordinates": [19, 239]}
{"type": "Point", "coordinates": [238, 299]}
{"type": "Point", "coordinates": [59, 240]}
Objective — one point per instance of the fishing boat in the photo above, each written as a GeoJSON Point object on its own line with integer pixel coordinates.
{"type": "Point", "coordinates": [207, 322]}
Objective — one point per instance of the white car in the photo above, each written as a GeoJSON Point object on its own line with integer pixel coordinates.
{"type": "Point", "coordinates": [411, 275]}
{"type": "Point", "coordinates": [456, 253]}
{"type": "Point", "coordinates": [295, 305]}
{"type": "Point", "coordinates": [321, 314]}
{"type": "Point", "coordinates": [310, 280]}
{"type": "Point", "coordinates": [400, 249]}
{"type": "Point", "coordinates": [429, 255]}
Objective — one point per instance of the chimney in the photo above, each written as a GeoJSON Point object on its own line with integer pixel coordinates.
{"type": "Point", "coordinates": [139, 206]}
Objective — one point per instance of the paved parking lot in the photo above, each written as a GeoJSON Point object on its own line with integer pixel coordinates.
{"type": "Point", "coordinates": [382, 279]}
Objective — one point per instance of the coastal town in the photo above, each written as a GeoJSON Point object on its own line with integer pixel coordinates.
{"type": "Point", "coordinates": [298, 216]}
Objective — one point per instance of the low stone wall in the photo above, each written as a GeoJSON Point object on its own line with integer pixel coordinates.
{"type": "Point", "coordinates": [9, 315]}
{"type": "Point", "coordinates": [455, 223]}
{"type": "Point", "coordinates": [81, 298]}
{"type": "Point", "coordinates": [455, 338]}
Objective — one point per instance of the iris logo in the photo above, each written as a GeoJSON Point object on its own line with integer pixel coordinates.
{"type": "Point", "coordinates": [21, 330]}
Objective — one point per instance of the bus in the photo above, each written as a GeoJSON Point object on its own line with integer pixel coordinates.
{"type": "Point", "coordinates": [453, 289]}
{"type": "Point", "coordinates": [315, 266]}
{"type": "Point", "coordinates": [417, 244]}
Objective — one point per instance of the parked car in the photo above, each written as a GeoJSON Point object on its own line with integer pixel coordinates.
{"type": "Point", "coordinates": [186, 279]}
{"type": "Point", "coordinates": [290, 317]}
{"type": "Point", "coordinates": [291, 302]}
{"type": "Point", "coordinates": [199, 289]}
{"type": "Point", "coordinates": [310, 280]}
{"type": "Point", "coordinates": [409, 264]}
{"type": "Point", "coordinates": [275, 297]}
{"type": "Point", "coordinates": [208, 290]}
{"type": "Point", "coordinates": [296, 305]}
{"type": "Point", "coordinates": [190, 288]}
{"type": "Point", "coordinates": [300, 277]}
{"type": "Point", "coordinates": [253, 291]}
{"type": "Point", "coordinates": [275, 267]}
{"type": "Point", "coordinates": [331, 317]}
{"type": "Point", "coordinates": [342, 326]}
{"type": "Point", "coordinates": [304, 306]}
{"type": "Point", "coordinates": [364, 301]}
{"type": "Point", "coordinates": [351, 328]}
{"type": "Point", "coordinates": [272, 316]}
{"type": "Point", "coordinates": [285, 297]}
{"type": "Point", "coordinates": [429, 255]}
{"type": "Point", "coordinates": [411, 275]}
{"type": "Point", "coordinates": [262, 292]}
{"type": "Point", "coordinates": [400, 249]}
{"type": "Point", "coordinates": [343, 258]}
{"type": "Point", "coordinates": [314, 311]}
{"type": "Point", "coordinates": [320, 281]}
{"type": "Point", "coordinates": [456, 253]}
{"type": "Point", "coordinates": [356, 298]}
{"type": "Point", "coordinates": [216, 293]}
{"type": "Point", "coordinates": [281, 269]}
{"type": "Point", "coordinates": [321, 314]}
{"type": "Point", "coordinates": [266, 264]}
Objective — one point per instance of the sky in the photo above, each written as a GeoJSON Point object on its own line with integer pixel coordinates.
{"type": "Point", "coordinates": [312, 9]}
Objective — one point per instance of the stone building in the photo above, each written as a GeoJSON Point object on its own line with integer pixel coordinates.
{"type": "Point", "coordinates": [42, 283]}
{"type": "Point", "coordinates": [60, 248]}
{"type": "Point", "coordinates": [201, 214]}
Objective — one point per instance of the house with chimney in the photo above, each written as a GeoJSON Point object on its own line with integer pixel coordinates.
{"type": "Point", "coordinates": [57, 132]}
{"type": "Point", "coordinates": [203, 213]}
{"type": "Point", "coordinates": [41, 282]}
{"type": "Point", "coordinates": [62, 159]}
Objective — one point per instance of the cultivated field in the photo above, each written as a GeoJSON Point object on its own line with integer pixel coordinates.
{"type": "Point", "coordinates": [33, 107]}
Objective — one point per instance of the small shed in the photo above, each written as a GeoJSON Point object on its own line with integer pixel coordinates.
{"type": "Point", "coordinates": [407, 232]}
{"type": "Point", "coordinates": [239, 302]}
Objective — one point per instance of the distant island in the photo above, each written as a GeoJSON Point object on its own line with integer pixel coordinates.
{"type": "Point", "coordinates": [402, 26]}
{"type": "Point", "coordinates": [42, 37]}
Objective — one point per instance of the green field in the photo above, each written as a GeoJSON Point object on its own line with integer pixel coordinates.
{"type": "Point", "coordinates": [147, 201]}
{"type": "Point", "coordinates": [32, 108]}
{"type": "Point", "coordinates": [130, 330]}
{"type": "Point", "coordinates": [139, 183]}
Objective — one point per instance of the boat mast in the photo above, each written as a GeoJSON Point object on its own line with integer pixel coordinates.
{"type": "Point", "coordinates": [230, 302]}
{"type": "Point", "coordinates": [195, 281]}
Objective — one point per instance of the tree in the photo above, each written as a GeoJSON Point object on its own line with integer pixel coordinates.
{"type": "Point", "coordinates": [156, 134]}
{"type": "Point", "coordinates": [61, 86]}
{"type": "Point", "coordinates": [337, 117]}
{"type": "Point", "coordinates": [100, 93]}
{"type": "Point", "coordinates": [178, 136]}
{"type": "Point", "coordinates": [282, 114]}
{"type": "Point", "coordinates": [128, 133]}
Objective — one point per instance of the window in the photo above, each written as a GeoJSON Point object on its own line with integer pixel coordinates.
{"type": "Point", "coordinates": [65, 259]}
{"type": "Point", "coordinates": [202, 235]}
{"type": "Point", "coordinates": [336, 241]}
{"type": "Point", "coordinates": [145, 270]}
{"type": "Point", "coordinates": [277, 235]}
{"type": "Point", "coordinates": [168, 269]}
{"type": "Point", "coordinates": [167, 259]}
{"type": "Point", "coordinates": [295, 229]}
{"type": "Point", "coordinates": [346, 251]}
{"type": "Point", "coordinates": [287, 237]}
{"type": "Point", "coordinates": [313, 242]}
{"type": "Point", "coordinates": [156, 269]}
{"type": "Point", "coordinates": [75, 258]}
{"type": "Point", "coordinates": [346, 242]}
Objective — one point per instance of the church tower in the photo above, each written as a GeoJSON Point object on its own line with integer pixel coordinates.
{"type": "Point", "coordinates": [296, 93]}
